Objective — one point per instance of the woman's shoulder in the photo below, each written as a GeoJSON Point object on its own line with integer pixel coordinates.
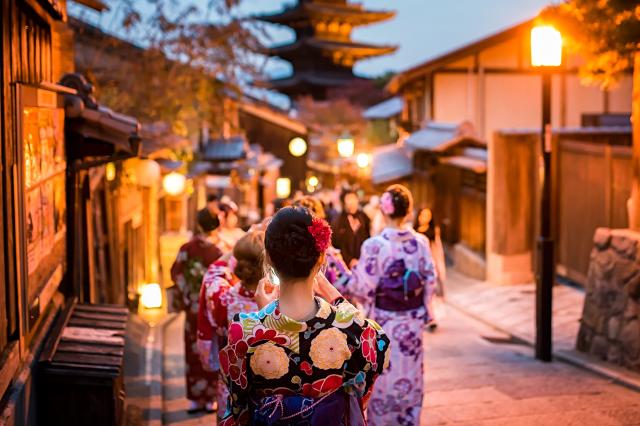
{"type": "Point", "coordinates": [352, 320]}
{"type": "Point", "coordinates": [218, 277]}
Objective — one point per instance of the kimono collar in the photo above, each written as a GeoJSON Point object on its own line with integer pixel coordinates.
{"type": "Point", "coordinates": [289, 324]}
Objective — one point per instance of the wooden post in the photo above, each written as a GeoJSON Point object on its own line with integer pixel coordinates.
{"type": "Point", "coordinates": [634, 202]}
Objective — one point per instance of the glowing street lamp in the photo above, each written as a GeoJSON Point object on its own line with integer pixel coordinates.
{"type": "Point", "coordinates": [313, 181]}
{"type": "Point", "coordinates": [297, 147]}
{"type": "Point", "coordinates": [174, 183]}
{"type": "Point", "coordinates": [346, 145]}
{"type": "Point", "coordinates": [151, 296]}
{"type": "Point", "coordinates": [363, 160]}
{"type": "Point", "coordinates": [283, 187]}
{"type": "Point", "coordinates": [546, 55]}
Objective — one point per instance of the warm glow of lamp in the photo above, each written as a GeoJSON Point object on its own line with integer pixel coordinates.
{"type": "Point", "coordinates": [546, 46]}
{"type": "Point", "coordinates": [110, 172]}
{"type": "Point", "coordinates": [147, 172]}
{"type": "Point", "coordinates": [297, 147]}
{"type": "Point", "coordinates": [151, 296]}
{"type": "Point", "coordinates": [283, 187]}
{"type": "Point", "coordinates": [346, 145]}
{"type": "Point", "coordinates": [174, 183]}
{"type": "Point", "coordinates": [363, 160]}
{"type": "Point", "coordinates": [313, 181]}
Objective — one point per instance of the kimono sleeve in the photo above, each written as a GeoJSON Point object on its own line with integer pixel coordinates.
{"type": "Point", "coordinates": [205, 326]}
{"type": "Point", "coordinates": [233, 364]}
{"type": "Point", "coordinates": [368, 361]}
{"type": "Point", "coordinates": [178, 278]}
{"type": "Point", "coordinates": [429, 273]}
{"type": "Point", "coordinates": [364, 278]}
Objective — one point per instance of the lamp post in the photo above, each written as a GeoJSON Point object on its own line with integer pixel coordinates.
{"type": "Point", "coordinates": [546, 55]}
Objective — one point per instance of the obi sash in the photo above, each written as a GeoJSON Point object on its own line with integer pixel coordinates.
{"type": "Point", "coordinates": [334, 409]}
{"type": "Point", "coordinates": [400, 288]}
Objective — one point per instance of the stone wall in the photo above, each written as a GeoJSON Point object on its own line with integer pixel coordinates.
{"type": "Point", "coordinates": [610, 325]}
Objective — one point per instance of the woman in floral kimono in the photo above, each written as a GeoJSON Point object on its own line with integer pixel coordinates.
{"type": "Point", "coordinates": [304, 358]}
{"type": "Point", "coordinates": [222, 297]}
{"type": "Point", "coordinates": [394, 280]}
{"type": "Point", "coordinates": [335, 270]}
{"type": "Point", "coordinates": [187, 272]}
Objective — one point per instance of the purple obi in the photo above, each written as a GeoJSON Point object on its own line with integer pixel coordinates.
{"type": "Point", "coordinates": [400, 289]}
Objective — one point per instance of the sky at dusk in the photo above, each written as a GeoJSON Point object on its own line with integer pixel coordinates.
{"type": "Point", "coordinates": [421, 29]}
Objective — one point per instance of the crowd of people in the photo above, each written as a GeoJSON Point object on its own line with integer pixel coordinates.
{"type": "Point", "coordinates": [313, 316]}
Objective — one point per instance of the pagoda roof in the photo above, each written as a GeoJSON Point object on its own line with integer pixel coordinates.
{"type": "Point", "coordinates": [311, 78]}
{"type": "Point", "coordinates": [355, 14]}
{"type": "Point", "coordinates": [354, 49]}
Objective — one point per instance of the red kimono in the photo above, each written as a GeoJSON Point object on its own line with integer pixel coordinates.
{"type": "Point", "coordinates": [187, 272]}
{"type": "Point", "coordinates": [221, 298]}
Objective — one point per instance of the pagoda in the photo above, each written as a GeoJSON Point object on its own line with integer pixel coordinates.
{"type": "Point", "coordinates": [323, 53]}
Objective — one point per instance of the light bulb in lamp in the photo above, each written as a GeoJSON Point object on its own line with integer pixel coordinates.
{"type": "Point", "coordinates": [546, 46]}
{"type": "Point", "coordinates": [363, 160]}
{"type": "Point", "coordinates": [174, 183]}
{"type": "Point", "coordinates": [151, 296]}
{"type": "Point", "coordinates": [283, 187]}
{"type": "Point", "coordinates": [346, 146]}
{"type": "Point", "coordinates": [297, 147]}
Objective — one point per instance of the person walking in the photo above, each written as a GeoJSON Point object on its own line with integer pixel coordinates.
{"type": "Point", "coordinates": [194, 257]}
{"type": "Point", "coordinates": [394, 280]}
{"type": "Point", "coordinates": [426, 226]}
{"type": "Point", "coordinates": [228, 288]}
{"type": "Point", "coordinates": [307, 357]}
{"type": "Point", "coordinates": [229, 232]}
{"type": "Point", "coordinates": [351, 228]}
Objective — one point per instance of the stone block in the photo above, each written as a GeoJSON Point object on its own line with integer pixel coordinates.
{"type": "Point", "coordinates": [603, 265]}
{"type": "Point", "coordinates": [590, 314]}
{"type": "Point", "coordinates": [585, 337]}
{"type": "Point", "coordinates": [630, 339]}
{"type": "Point", "coordinates": [599, 347]}
{"type": "Point", "coordinates": [614, 354]}
{"type": "Point", "coordinates": [625, 245]}
{"type": "Point", "coordinates": [632, 288]}
{"type": "Point", "coordinates": [602, 238]}
{"type": "Point", "coordinates": [631, 311]}
{"type": "Point", "coordinates": [613, 328]}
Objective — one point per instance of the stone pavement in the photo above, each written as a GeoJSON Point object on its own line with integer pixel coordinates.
{"type": "Point", "coordinates": [511, 309]}
{"type": "Point", "coordinates": [474, 376]}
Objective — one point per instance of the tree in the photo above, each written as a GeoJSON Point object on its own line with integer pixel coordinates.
{"type": "Point", "coordinates": [184, 59]}
{"type": "Point", "coordinates": [606, 33]}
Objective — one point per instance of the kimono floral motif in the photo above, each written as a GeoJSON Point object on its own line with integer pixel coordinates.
{"type": "Point", "coordinates": [285, 357]}
{"type": "Point", "coordinates": [270, 361]}
{"type": "Point", "coordinates": [329, 350]}
{"type": "Point", "coordinates": [394, 281]}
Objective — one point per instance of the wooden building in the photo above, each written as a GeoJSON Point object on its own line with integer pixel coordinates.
{"type": "Point", "coordinates": [323, 53]}
{"type": "Point", "coordinates": [491, 84]}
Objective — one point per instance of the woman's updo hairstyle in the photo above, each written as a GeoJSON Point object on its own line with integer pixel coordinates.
{"type": "Point", "coordinates": [249, 255]}
{"type": "Point", "coordinates": [396, 201]}
{"type": "Point", "coordinates": [291, 247]}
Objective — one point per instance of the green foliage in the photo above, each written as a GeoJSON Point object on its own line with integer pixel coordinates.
{"type": "Point", "coordinates": [605, 33]}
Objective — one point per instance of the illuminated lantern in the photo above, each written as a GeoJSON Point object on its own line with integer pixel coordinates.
{"type": "Point", "coordinates": [313, 181]}
{"type": "Point", "coordinates": [174, 183]}
{"type": "Point", "coordinates": [297, 147]}
{"type": "Point", "coordinates": [546, 46]}
{"type": "Point", "coordinates": [151, 296]}
{"type": "Point", "coordinates": [147, 172]}
{"type": "Point", "coordinates": [283, 187]}
{"type": "Point", "coordinates": [363, 160]}
{"type": "Point", "coordinates": [110, 172]}
{"type": "Point", "coordinates": [346, 145]}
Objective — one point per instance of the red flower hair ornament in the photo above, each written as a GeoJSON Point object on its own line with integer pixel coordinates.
{"type": "Point", "coordinates": [321, 232]}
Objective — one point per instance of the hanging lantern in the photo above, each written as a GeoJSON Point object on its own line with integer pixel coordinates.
{"type": "Point", "coordinates": [346, 145]}
{"type": "Point", "coordinates": [147, 172]}
{"type": "Point", "coordinates": [363, 160]}
{"type": "Point", "coordinates": [110, 172]}
{"type": "Point", "coordinates": [298, 147]}
{"type": "Point", "coordinates": [174, 183]}
{"type": "Point", "coordinates": [151, 296]}
{"type": "Point", "coordinates": [283, 187]}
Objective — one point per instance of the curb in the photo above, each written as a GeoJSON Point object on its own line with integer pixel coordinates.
{"type": "Point", "coordinates": [616, 374]}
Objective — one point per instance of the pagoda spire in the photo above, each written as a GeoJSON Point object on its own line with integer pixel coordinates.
{"type": "Point", "coordinates": [323, 53]}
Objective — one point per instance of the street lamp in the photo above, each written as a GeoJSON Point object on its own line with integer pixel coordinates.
{"type": "Point", "coordinates": [297, 147]}
{"type": "Point", "coordinates": [363, 160]}
{"type": "Point", "coordinates": [174, 183]}
{"type": "Point", "coordinates": [346, 145]}
{"type": "Point", "coordinates": [546, 55]}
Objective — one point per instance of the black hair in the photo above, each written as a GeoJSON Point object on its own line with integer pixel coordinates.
{"type": "Point", "coordinates": [211, 198]}
{"type": "Point", "coordinates": [402, 200]}
{"type": "Point", "coordinates": [226, 208]}
{"type": "Point", "coordinates": [431, 231]}
{"type": "Point", "coordinates": [346, 192]}
{"type": "Point", "coordinates": [289, 244]}
{"type": "Point", "coordinates": [207, 222]}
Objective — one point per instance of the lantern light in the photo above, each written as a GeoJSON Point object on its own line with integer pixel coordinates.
{"type": "Point", "coordinates": [147, 172]}
{"type": "Point", "coordinates": [363, 160]}
{"type": "Point", "coordinates": [110, 172]}
{"type": "Point", "coordinates": [174, 183]}
{"type": "Point", "coordinates": [151, 296]}
{"type": "Point", "coordinates": [346, 145]}
{"type": "Point", "coordinates": [546, 46]}
{"type": "Point", "coordinates": [283, 187]}
{"type": "Point", "coordinates": [297, 147]}
{"type": "Point", "coordinates": [313, 181]}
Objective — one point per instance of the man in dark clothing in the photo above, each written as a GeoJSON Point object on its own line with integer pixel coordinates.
{"type": "Point", "coordinates": [350, 228]}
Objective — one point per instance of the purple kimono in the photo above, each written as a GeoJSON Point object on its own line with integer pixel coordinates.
{"type": "Point", "coordinates": [394, 281]}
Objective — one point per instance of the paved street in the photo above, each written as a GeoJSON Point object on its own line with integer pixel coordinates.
{"type": "Point", "coordinates": [474, 376]}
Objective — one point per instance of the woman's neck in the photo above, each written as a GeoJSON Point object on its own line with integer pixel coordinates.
{"type": "Point", "coordinates": [394, 223]}
{"type": "Point", "coordinates": [297, 300]}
